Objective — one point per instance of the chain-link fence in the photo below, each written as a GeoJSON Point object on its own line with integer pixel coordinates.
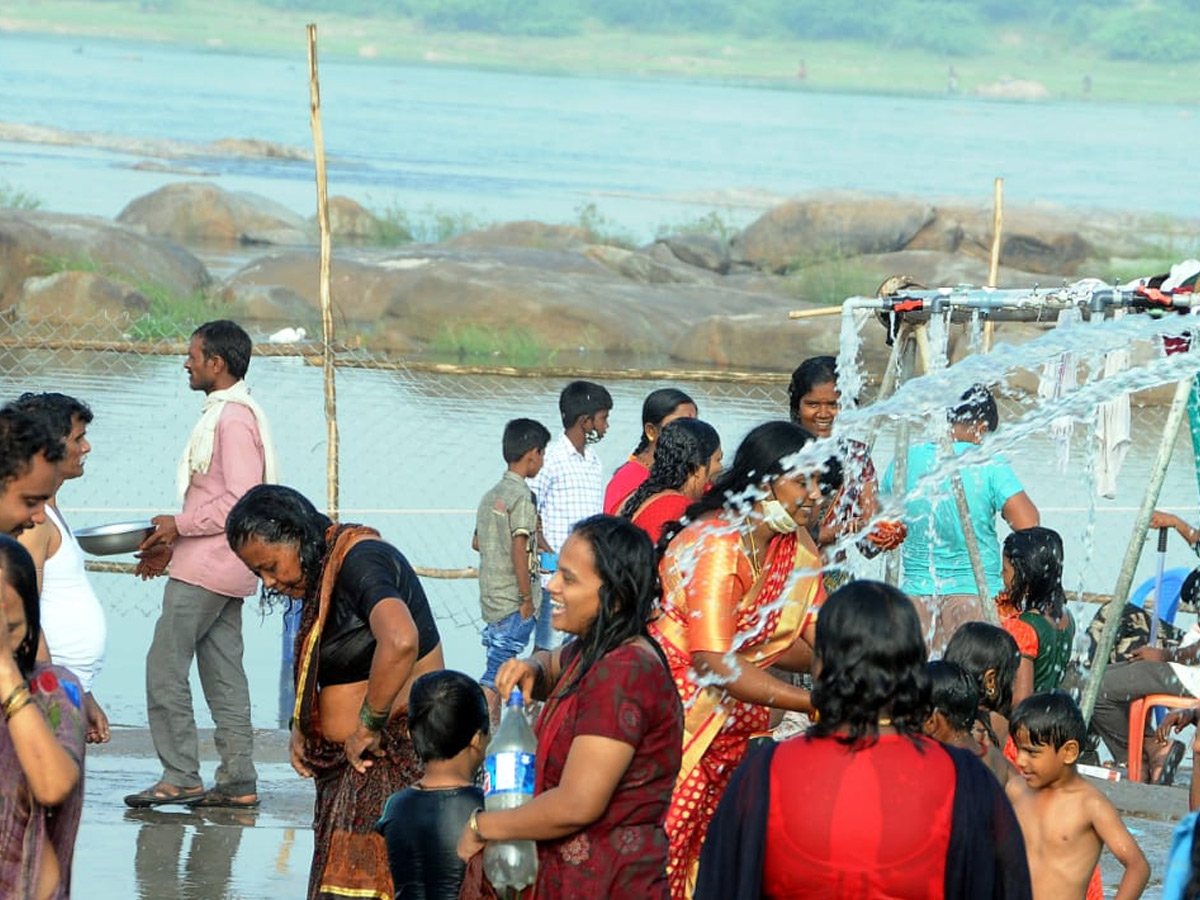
{"type": "Point", "coordinates": [420, 444]}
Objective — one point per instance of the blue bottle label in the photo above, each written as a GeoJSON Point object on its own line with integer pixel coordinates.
{"type": "Point", "coordinates": [508, 772]}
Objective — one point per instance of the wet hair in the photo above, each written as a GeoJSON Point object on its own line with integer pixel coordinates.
{"type": "Point", "coordinates": [978, 647]}
{"type": "Point", "coordinates": [446, 709]}
{"type": "Point", "coordinates": [58, 411]}
{"type": "Point", "coordinates": [953, 693]}
{"type": "Point", "coordinates": [275, 514]}
{"type": "Point", "coordinates": [23, 436]}
{"type": "Point", "coordinates": [976, 405]}
{"type": "Point", "coordinates": [629, 589]}
{"type": "Point", "coordinates": [684, 446]}
{"type": "Point", "coordinates": [1051, 719]}
{"type": "Point", "coordinates": [228, 340]}
{"type": "Point", "coordinates": [1036, 555]}
{"type": "Point", "coordinates": [762, 456]}
{"type": "Point", "coordinates": [20, 572]}
{"type": "Point", "coordinates": [657, 406]}
{"type": "Point", "coordinates": [872, 664]}
{"type": "Point", "coordinates": [812, 373]}
{"type": "Point", "coordinates": [581, 399]}
{"type": "Point", "coordinates": [521, 436]}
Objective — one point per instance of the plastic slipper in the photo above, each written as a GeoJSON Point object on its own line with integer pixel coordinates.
{"type": "Point", "coordinates": [224, 799]}
{"type": "Point", "coordinates": [1171, 763]}
{"type": "Point", "coordinates": [163, 794]}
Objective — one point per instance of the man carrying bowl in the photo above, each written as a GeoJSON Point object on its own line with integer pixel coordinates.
{"type": "Point", "coordinates": [229, 452]}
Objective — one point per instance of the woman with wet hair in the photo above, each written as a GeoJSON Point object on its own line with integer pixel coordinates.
{"type": "Point", "coordinates": [990, 655]}
{"type": "Point", "coordinates": [741, 583]}
{"type": "Point", "coordinates": [686, 460]}
{"type": "Point", "coordinates": [814, 402]}
{"type": "Point", "coordinates": [41, 745]}
{"type": "Point", "coordinates": [832, 812]}
{"type": "Point", "coordinates": [610, 734]}
{"type": "Point", "coordinates": [366, 633]}
{"type": "Point", "coordinates": [660, 408]}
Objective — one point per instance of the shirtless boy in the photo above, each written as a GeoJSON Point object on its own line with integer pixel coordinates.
{"type": "Point", "coordinates": [1066, 821]}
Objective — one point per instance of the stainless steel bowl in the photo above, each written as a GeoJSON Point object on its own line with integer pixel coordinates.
{"type": "Point", "coordinates": [120, 537]}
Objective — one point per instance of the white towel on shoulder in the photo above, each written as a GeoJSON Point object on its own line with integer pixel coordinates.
{"type": "Point", "coordinates": [197, 456]}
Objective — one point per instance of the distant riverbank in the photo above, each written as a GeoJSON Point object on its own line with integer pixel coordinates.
{"type": "Point", "coordinates": [1012, 62]}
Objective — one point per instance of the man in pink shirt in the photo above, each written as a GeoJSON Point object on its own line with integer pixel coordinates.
{"type": "Point", "coordinates": [230, 451]}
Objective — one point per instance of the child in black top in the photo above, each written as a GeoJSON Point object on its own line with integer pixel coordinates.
{"type": "Point", "coordinates": [448, 721]}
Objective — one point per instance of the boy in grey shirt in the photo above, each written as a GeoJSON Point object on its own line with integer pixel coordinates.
{"type": "Point", "coordinates": [506, 538]}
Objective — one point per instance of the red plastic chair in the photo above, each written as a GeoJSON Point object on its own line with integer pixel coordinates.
{"type": "Point", "coordinates": [1138, 710]}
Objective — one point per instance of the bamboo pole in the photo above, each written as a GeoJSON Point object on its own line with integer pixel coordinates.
{"type": "Point", "coordinates": [816, 312]}
{"type": "Point", "coordinates": [327, 334]}
{"type": "Point", "coordinates": [905, 361]}
{"type": "Point", "coordinates": [1133, 552]}
{"type": "Point", "coordinates": [989, 327]}
{"type": "Point", "coordinates": [960, 503]}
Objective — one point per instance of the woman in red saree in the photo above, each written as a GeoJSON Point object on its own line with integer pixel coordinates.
{"type": "Point", "coordinates": [660, 408]}
{"type": "Point", "coordinates": [741, 585]}
{"type": "Point", "coordinates": [687, 459]}
{"type": "Point", "coordinates": [609, 735]}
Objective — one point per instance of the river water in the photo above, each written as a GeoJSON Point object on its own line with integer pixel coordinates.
{"type": "Point", "coordinates": [510, 146]}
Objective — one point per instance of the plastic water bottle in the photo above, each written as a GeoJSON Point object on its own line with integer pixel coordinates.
{"type": "Point", "coordinates": [508, 783]}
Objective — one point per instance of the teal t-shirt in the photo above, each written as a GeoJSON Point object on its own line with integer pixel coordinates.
{"type": "Point", "coordinates": [935, 552]}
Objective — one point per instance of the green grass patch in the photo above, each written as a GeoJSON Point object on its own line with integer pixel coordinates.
{"type": "Point", "coordinates": [396, 226]}
{"type": "Point", "coordinates": [602, 228]}
{"type": "Point", "coordinates": [511, 345]}
{"type": "Point", "coordinates": [832, 280]}
{"type": "Point", "coordinates": [16, 198]}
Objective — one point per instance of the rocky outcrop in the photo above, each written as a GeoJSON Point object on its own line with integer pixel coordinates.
{"type": "Point", "coordinates": [830, 225]}
{"type": "Point", "coordinates": [701, 250]}
{"type": "Point", "coordinates": [92, 303]}
{"type": "Point", "coordinates": [561, 299]}
{"type": "Point", "coordinates": [197, 211]}
{"type": "Point", "coordinates": [350, 219]}
{"type": "Point", "coordinates": [34, 243]}
{"type": "Point", "coordinates": [533, 235]}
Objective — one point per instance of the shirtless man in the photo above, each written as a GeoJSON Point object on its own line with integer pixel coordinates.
{"type": "Point", "coordinates": [73, 626]}
{"type": "Point", "coordinates": [1066, 822]}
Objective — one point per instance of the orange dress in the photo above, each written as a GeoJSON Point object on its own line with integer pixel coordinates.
{"type": "Point", "coordinates": [713, 601]}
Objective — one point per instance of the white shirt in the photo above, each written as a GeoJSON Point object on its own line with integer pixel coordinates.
{"type": "Point", "coordinates": [72, 617]}
{"type": "Point", "coordinates": [570, 487]}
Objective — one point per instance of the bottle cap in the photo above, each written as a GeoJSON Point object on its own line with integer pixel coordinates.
{"type": "Point", "coordinates": [515, 698]}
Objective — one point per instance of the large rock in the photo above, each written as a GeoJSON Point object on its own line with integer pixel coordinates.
{"type": "Point", "coordinates": [529, 234]}
{"type": "Point", "coordinates": [561, 300]}
{"type": "Point", "coordinates": [1032, 240]}
{"type": "Point", "coordinates": [830, 225]}
{"type": "Point", "coordinates": [701, 250]}
{"type": "Point", "coordinates": [196, 211]}
{"type": "Point", "coordinates": [769, 340]}
{"type": "Point", "coordinates": [90, 303]}
{"type": "Point", "coordinates": [35, 243]}
{"type": "Point", "coordinates": [350, 219]}
{"type": "Point", "coordinates": [645, 268]}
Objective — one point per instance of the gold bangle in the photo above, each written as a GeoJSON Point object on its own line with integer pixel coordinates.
{"type": "Point", "coordinates": [19, 698]}
{"type": "Point", "coordinates": [473, 824]}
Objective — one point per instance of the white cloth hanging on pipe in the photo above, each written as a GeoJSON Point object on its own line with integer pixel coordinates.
{"type": "Point", "coordinates": [1059, 378]}
{"type": "Point", "coordinates": [1113, 425]}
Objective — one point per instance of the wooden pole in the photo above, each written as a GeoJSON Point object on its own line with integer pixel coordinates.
{"type": "Point", "coordinates": [1133, 553]}
{"type": "Point", "coordinates": [816, 312]}
{"type": "Point", "coordinates": [960, 503]}
{"type": "Point", "coordinates": [989, 327]}
{"type": "Point", "coordinates": [331, 426]}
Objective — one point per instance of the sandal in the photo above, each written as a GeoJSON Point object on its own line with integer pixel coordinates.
{"type": "Point", "coordinates": [226, 798]}
{"type": "Point", "coordinates": [1170, 764]}
{"type": "Point", "coordinates": [162, 794]}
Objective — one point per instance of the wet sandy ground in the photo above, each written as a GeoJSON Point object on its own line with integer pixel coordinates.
{"type": "Point", "coordinates": [174, 852]}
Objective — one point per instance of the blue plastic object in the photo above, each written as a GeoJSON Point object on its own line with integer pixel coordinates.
{"type": "Point", "coordinates": [1172, 585]}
